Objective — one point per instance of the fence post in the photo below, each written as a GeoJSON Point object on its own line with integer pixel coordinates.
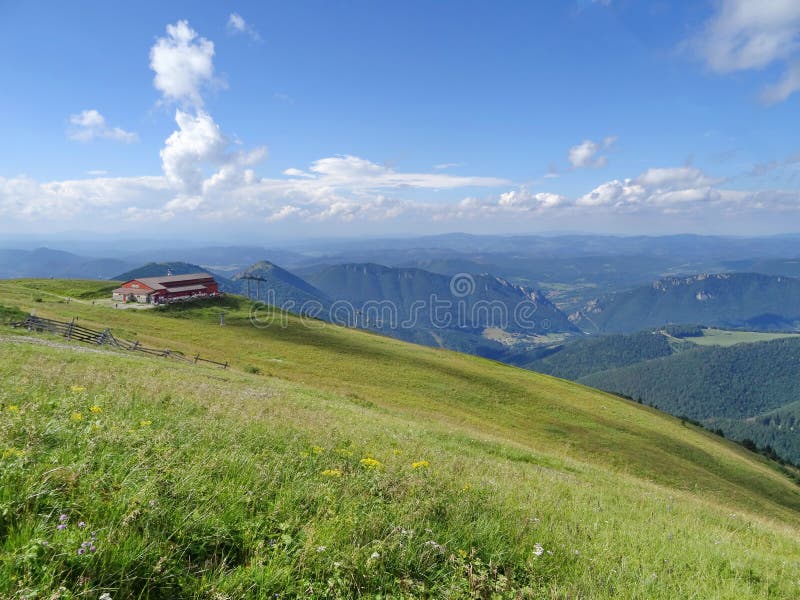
{"type": "Point", "coordinates": [70, 329]}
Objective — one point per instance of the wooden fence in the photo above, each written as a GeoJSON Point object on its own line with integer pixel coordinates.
{"type": "Point", "coordinates": [72, 331]}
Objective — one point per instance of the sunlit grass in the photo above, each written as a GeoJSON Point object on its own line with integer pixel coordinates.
{"type": "Point", "coordinates": [357, 465]}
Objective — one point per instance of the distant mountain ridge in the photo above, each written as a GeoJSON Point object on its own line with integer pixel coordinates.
{"type": "Point", "coordinates": [471, 298]}
{"type": "Point", "coordinates": [725, 299]}
{"type": "Point", "coordinates": [46, 263]}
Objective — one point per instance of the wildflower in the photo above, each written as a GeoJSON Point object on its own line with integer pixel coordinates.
{"type": "Point", "coordinates": [332, 473]}
{"type": "Point", "coordinates": [344, 452]}
{"type": "Point", "coordinates": [462, 553]}
{"type": "Point", "coordinates": [321, 549]}
{"type": "Point", "coordinates": [371, 463]}
{"type": "Point", "coordinates": [13, 453]}
{"type": "Point", "coordinates": [538, 550]}
{"type": "Point", "coordinates": [434, 545]}
{"type": "Point", "coordinates": [63, 518]}
{"type": "Point", "coordinates": [76, 416]}
{"type": "Point", "coordinates": [81, 524]}
{"type": "Point", "coordinates": [105, 596]}
{"type": "Point", "coordinates": [76, 389]}
{"type": "Point", "coordinates": [12, 408]}
{"type": "Point", "coordinates": [317, 449]}
{"type": "Point", "coordinates": [375, 556]}
{"type": "Point", "coordinates": [95, 409]}
{"type": "Point", "coordinates": [397, 452]}
{"type": "Point", "coordinates": [145, 423]}
{"type": "Point", "coordinates": [420, 464]}
{"type": "Point", "coordinates": [62, 527]}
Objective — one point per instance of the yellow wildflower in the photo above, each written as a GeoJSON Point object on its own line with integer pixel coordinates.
{"type": "Point", "coordinates": [317, 449]}
{"type": "Point", "coordinates": [371, 463]}
{"type": "Point", "coordinates": [77, 389]}
{"type": "Point", "coordinates": [332, 473]}
{"type": "Point", "coordinates": [96, 409]}
{"type": "Point", "coordinates": [13, 452]}
{"type": "Point", "coordinates": [145, 423]}
{"type": "Point", "coordinates": [462, 553]}
{"type": "Point", "coordinates": [12, 408]}
{"type": "Point", "coordinates": [344, 452]}
{"type": "Point", "coordinates": [397, 452]}
{"type": "Point", "coordinates": [420, 464]}
{"type": "Point", "coordinates": [76, 416]}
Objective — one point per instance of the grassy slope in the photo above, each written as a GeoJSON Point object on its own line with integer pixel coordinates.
{"type": "Point", "coordinates": [653, 508]}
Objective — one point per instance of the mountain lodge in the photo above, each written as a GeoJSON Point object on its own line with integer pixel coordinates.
{"type": "Point", "coordinates": [170, 288]}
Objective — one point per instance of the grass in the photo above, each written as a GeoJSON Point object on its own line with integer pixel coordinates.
{"type": "Point", "coordinates": [723, 337]}
{"type": "Point", "coordinates": [203, 483]}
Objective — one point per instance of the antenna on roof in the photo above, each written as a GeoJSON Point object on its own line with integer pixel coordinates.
{"type": "Point", "coordinates": [169, 272]}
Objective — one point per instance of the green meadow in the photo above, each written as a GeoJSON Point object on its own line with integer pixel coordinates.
{"type": "Point", "coordinates": [334, 463]}
{"type": "Point", "coordinates": [724, 337]}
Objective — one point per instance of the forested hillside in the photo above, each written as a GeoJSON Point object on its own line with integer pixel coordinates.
{"type": "Point", "coordinates": [599, 353]}
{"type": "Point", "coordinates": [747, 300]}
{"type": "Point", "coordinates": [747, 390]}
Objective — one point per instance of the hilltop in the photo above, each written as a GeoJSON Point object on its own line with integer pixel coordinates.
{"type": "Point", "coordinates": [284, 288]}
{"type": "Point", "coordinates": [335, 462]}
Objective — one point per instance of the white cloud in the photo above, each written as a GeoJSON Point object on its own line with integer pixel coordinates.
{"type": "Point", "coordinates": [675, 186]}
{"type": "Point", "coordinates": [586, 154]}
{"type": "Point", "coordinates": [26, 199]}
{"type": "Point", "coordinates": [297, 173]}
{"type": "Point", "coordinates": [197, 142]}
{"type": "Point", "coordinates": [237, 24]}
{"type": "Point", "coordinates": [444, 166]}
{"type": "Point", "coordinates": [788, 85]}
{"type": "Point", "coordinates": [183, 64]}
{"type": "Point", "coordinates": [367, 175]}
{"type": "Point", "coordinates": [349, 189]}
{"type": "Point", "coordinates": [90, 125]}
{"type": "Point", "coordinates": [524, 200]}
{"type": "Point", "coordinates": [676, 177]}
{"type": "Point", "coordinates": [753, 34]}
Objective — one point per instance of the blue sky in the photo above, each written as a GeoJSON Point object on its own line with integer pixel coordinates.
{"type": "Point", "coordinates": [241, 120]}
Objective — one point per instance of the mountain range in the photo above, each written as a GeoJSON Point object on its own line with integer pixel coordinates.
{"type": "Point", "coordinates": [740, 300]}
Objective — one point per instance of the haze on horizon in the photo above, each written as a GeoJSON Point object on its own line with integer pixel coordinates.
{"type": "Point", "coordinates": [321, 119]}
